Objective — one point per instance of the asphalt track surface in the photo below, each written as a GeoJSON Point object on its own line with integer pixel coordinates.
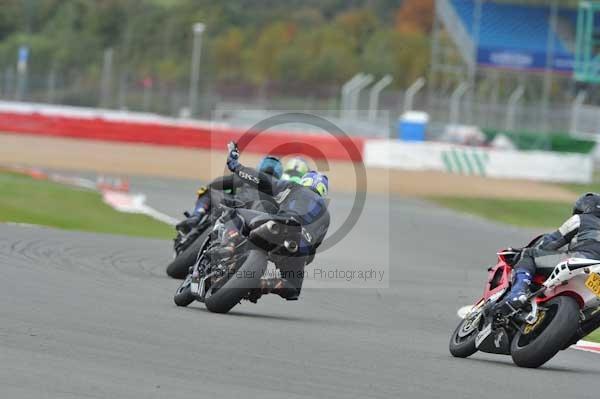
{"type": "Point", "coordinates": [91, 316]}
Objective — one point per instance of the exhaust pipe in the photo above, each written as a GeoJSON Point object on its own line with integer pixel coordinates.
{"type": "Point", "coordinates": [273, 227]}
{"type": "Point", "coordinates": [291, 246]}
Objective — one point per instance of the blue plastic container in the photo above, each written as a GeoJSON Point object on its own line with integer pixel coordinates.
{"type": "Point", "coordinates": [412, 126]}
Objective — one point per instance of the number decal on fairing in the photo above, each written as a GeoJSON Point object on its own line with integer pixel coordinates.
{"type": "Point", "coordinates": [483, 335]}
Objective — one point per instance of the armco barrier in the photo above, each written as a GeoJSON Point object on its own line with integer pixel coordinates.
{"type": "Point", "coordinates": [116, 126]}
{"type": "Point", "coordinates": [74, 123]}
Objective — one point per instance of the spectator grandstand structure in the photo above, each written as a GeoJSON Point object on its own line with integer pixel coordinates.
{"type": "Point", "coordinates": [523, 51]}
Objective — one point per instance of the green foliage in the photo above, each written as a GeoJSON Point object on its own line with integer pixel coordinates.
{"type": "Point", "coordinates": [25, 200]}
{"type": "Point", "coordinates": [405, 55]}
{"type": "Point", "coordinates": [523, 213]}
{"type": "Point", "coordinates": [308, 41]}
{"type": "Point", "coordinates": [560, 142]}
{"type": "Point", "coordinates": [594, 337]}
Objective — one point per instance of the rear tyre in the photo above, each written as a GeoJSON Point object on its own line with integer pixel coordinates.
{"type": "Point", "coordinates": [183, 295]}
{"type": "Point", "coordinates": [239, 284]}
{"type": "Point", "coordinates": [559, 324]}
{"type": "Point", "coordinates": [180, 266]}
{"type": "Point", "coordinates": [462, 341]}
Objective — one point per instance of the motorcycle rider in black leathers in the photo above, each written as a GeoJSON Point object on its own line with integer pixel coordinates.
{"type": "Point", "coordinates": [305, 202]}
{"type": "Point", "coordinates": [581, 233]}
{"type": "Point", "coordinates": [231, 186]}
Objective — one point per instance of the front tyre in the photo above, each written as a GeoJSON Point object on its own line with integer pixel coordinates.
{"type": "Point", "coordinates": [183, 295]}
{"type": "Point", "coordinates": [555, 327]}
{"type": "Point", "coordinates": [180, 266]}
{"type": "Point", "coordinates": [239, 284]}
{"type": "Point", "coordinates": [462, 341]}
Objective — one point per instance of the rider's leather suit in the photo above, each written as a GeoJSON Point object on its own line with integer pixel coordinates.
{"type": "Point", "coordinates": [580, 232]}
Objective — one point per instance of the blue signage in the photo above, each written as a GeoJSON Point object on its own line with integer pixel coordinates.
{"type": "Point", "coordinates": [519, 59]}
{"type": "Point", "coordinates": [23, 54]}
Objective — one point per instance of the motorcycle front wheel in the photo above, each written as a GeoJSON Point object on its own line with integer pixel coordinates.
{"type": "Point", "coordinates": [462, 341]}
{"type": "Point", "coordinates": [180, 266]}
{"type": "Point", "coordinates": [183, 295]}
{"type": "Point", "coordinates": [238, 284]}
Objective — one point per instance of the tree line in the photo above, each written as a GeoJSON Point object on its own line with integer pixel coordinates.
{"type": "Point", "coordinates": [311, 41]}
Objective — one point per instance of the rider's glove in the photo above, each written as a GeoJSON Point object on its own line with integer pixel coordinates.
{"type": "Point", "coordinates": [232, 158]}
{"type": "Point", "coordinates": [189, 223]}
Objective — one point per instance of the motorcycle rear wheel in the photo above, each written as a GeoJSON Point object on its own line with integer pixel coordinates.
{"type": "Point", "coordinates": [560, 324]}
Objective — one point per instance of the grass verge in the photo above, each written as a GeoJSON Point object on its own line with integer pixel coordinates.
{"type": "Point", "coordinates": [594, 337]}
{"type": "Point", "coordinates": [26, 200]}
{"type": "Point", "coordinates": [582, 188]}
{"type": "Point", "coordinates": [523, 213]}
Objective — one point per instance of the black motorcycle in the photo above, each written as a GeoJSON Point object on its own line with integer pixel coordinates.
{"type": "Point", "coordinates": [223, 282]}
{"type": "Point", "coordinates": [186, 247]}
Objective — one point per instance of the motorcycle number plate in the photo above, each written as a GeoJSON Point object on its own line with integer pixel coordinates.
{"type": "Point", "coordinates": [593, 283]}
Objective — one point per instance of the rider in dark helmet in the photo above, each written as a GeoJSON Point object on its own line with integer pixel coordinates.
{"type": "Point", "coordinates": [233, 186]}
{"type": "Point", "coordinates": [581, 232]}
{"type": "Point", "coordinates": [271, 166]}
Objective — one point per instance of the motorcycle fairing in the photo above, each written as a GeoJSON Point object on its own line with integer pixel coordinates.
{"type": "Point", "coordinates": [499, 278]}
{"type": "Point", "coordinates": [496, 342]}
{"type": "Point", "coordinates": [568, 278]}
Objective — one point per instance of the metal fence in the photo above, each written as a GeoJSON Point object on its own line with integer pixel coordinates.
{"type": "Point", "coordinates": [360, 114]}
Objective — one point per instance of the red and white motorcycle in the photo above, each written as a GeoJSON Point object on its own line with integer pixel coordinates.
{"type": "Point", "coordinates": [563, 308]}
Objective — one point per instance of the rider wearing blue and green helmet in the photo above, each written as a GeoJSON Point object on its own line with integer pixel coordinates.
{"type": "Point", "coordinates": [294, 169]}
{"type": "Point", "coordinates": [303, 201]}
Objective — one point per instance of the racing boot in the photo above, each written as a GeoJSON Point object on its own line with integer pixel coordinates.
{"type": "Point", "coordinates": [517, 297]}
{"type": "Point", "coordinates": [279, 286]}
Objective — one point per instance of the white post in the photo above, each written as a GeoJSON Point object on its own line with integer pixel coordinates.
{"type": "Point", "coordinates": [22, 73]}
{"type": "Point", "coordinates": [374, 95]}
{"type": "Point", "coordinates": [122, 102]}
{"type": "Point", "coordinates": [347, 89]}
{"type": "Point", "coordinates": [409, 96]}
{"type": "Point", "coordinates": [455, 98]}
{"type": "Point", "coordinates": [8, 79]}
{"type": "Point", "coordinates": [355, 94]}
{"type": "Point", "coordinates": [575, 109]}
{"type": "Point", "coordinates": [51, 86]}
{"type": "Point", "coordinates": [106, 78]}
{"type": "Point", "coordinates": [513, 101]}
{"type": "Point", "coordinates": [198, 29]}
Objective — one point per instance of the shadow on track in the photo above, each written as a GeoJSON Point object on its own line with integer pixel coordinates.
{"type": "Point", "coordinates": [236, 313]}
{"type": "Point", "coordinates": [282, 317]}
{"type": "Point", "coordinates": [508, 364]}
